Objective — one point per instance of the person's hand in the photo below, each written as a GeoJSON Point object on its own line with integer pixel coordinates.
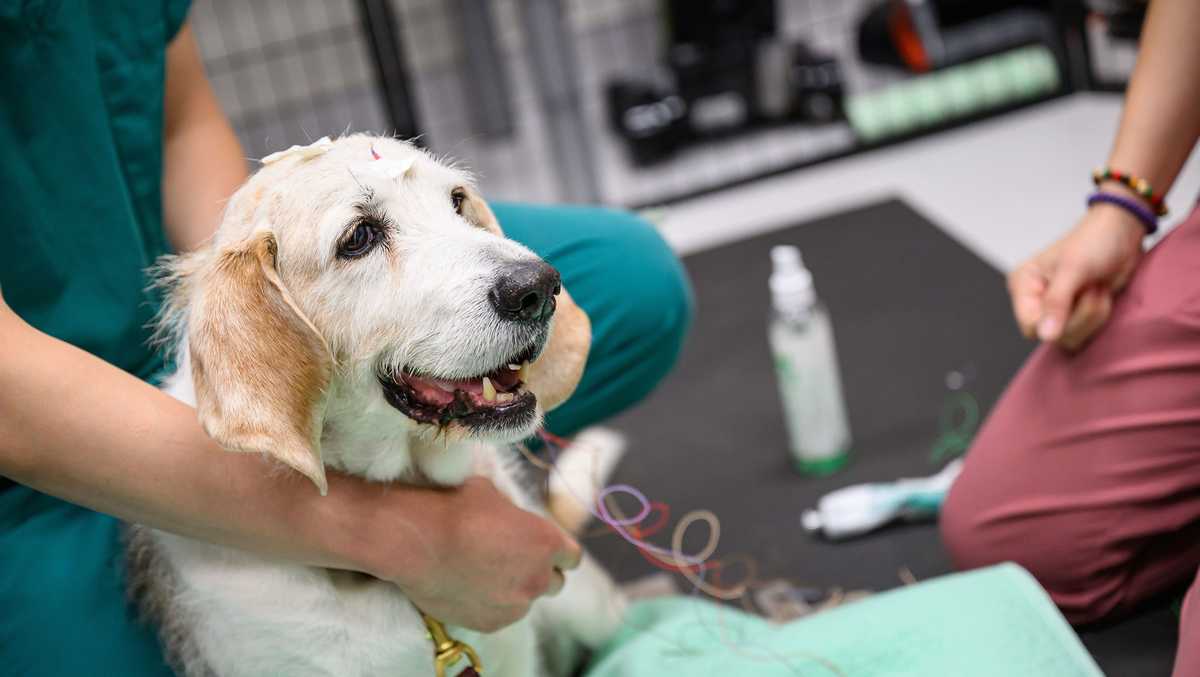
{"type": "Point", "coordinates": [488, 560]}
{"type": "Point", "coordinates": [1065, 293]}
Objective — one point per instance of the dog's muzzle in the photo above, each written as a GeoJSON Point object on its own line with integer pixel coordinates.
{"type": "Point", "coordinates": [525, 292]}
{"type": "Point", "coordinates": [496, 400]}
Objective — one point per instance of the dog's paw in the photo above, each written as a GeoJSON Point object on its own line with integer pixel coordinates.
{"type": "Point", "coordinates": [580, 473]}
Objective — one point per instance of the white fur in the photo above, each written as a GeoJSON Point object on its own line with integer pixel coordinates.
{"type": "Point", "coordinates": [421, 307]}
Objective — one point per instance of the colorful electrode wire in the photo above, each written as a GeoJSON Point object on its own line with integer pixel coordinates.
{"type": "Point", "coordinates": [693, 567]}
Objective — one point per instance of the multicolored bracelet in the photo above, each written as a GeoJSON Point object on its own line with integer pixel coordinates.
{"type": "Point", "coordinates": [1138, 185]}
{"type": "Point", "coordinates": [1147, 217]}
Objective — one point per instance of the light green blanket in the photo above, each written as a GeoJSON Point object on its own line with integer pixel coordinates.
{"type": "Point", "coordinates": [991, 622]}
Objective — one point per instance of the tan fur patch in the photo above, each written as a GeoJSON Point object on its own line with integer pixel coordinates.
{"type": "Point", "coordinates": [475, 209]}
{"type": "Point", "coordinates": [556, 373]}
{"type": "Point", "coordinates": [260, 368]}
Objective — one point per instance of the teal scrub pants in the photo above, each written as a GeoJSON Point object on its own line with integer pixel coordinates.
{"type": "Point", "coordinates": [62, 605]}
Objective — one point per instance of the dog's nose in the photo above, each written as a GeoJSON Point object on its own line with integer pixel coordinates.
{"type": "Point", "coordinates": [525, 291]}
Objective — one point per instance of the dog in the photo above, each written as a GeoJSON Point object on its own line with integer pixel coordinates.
{"type": "Point", "coordinates": [360, 309]}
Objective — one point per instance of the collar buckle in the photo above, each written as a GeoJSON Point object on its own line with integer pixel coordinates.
{"type": "Point", "coordinates": [448, 651]}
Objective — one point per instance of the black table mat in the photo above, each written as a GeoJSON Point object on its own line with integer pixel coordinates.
{"type": "Point", "coordinates": [909, 304]}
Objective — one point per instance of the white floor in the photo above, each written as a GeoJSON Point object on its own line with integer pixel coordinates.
{"type": "Point", "coordinates": [1004, 187]}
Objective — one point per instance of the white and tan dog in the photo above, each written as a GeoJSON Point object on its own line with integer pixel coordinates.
{"type": "Point", "coordinates": [360, 309]}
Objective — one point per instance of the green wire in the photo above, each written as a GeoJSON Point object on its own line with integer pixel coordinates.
{"type": "Point", "coordinates": [956, 426]}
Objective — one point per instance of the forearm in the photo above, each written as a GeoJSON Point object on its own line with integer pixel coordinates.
{"type": "Point", "coordinates": [1161, 120]}
{"type": "Point", "coordinates": [203, 163]}
{"type": "Point", "coordinates": [78, 428]}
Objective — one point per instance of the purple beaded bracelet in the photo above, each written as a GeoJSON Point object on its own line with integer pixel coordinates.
{"type": "Point", "coordinates": [1142, 212]}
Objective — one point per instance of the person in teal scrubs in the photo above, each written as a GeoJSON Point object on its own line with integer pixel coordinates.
{"type": "Point", "coordinates": [114, 151]}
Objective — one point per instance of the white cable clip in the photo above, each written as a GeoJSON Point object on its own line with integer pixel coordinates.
{"type": "Point", "coordinates": [312, 150]}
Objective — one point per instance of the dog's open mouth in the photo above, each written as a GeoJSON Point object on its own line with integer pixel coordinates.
{"type": "Point", "coordinates": [492, 400]}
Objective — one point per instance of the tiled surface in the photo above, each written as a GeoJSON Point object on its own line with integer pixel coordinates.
{"type": "Point", "coordinates": [288, 71]}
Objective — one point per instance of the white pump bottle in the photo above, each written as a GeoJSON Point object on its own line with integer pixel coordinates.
{"type": "Point", "coordinates": [806, 367]}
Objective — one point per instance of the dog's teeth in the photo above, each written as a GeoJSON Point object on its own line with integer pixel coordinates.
{"type": "Point", "coordinates": [489, 390]}
{"type": "Point", "coordinates": [514, 367]}
{"type": "Point", "coordinates": [523, 373]}
{"type": "Point", "coordinates": [505, 397]}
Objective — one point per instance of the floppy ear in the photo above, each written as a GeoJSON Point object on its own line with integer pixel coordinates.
{"type": "Point", "coordinates": [259, 366]}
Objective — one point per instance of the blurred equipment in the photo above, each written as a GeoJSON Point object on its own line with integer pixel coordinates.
{"type": "Point", "coordinates": [527, 93]}
{"type": "Point", "coordinates": [727, 70]}
{"type": "Point", "coordinates": [862, 508]}
{"type": "Point", "coordinates": [806, 366]}
{"type": "Point", "coordinates": [1113, 29]}
{"type": "Point", "coordinates": [961, 92]}
{"type": "Point", "coordinates": [925, 35]}
{"type": "Point", "coordinates": [970, 59]}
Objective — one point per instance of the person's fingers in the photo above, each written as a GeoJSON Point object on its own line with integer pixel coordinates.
{"type": "Point", "coordinates": [1091, 312]}
{"type": "Point", "coordinates": [557, 581]}
{"type": "Point", "coordinates": [569, 556]}
{"type": "Point", "coordinates": [485, 620]}
{"type": "Point", "coordinates": [1026, 286]}
{"type": "Point", "coordinates": [1059, 300]}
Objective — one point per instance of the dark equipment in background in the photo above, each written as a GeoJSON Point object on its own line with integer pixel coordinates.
{"type": "Point", "coordinates": [1124, 19]}
{"type": "Point", "coordinates": [1112, 29]}
{"type": "Point", "coordinates": [726, 70]}
{"type": "Point", "coordinates": [924, 35]}
{"type": "Point", "coordinates": [527, 93]}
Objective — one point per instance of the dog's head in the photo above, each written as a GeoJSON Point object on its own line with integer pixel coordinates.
{"type": "Point", "coordinates": [367, 268]}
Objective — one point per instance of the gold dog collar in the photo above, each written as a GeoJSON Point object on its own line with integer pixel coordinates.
{"type": "Point", "coordinates": [448, 651]}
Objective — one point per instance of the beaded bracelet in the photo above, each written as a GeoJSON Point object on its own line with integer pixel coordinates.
{"type": "Point", "coordinates": [1138, 185]}
{"type": "Point", "coordinates": [1147, 217]}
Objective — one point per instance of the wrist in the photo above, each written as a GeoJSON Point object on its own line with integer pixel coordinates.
{"type": "Point", "coordinates": [1106, 179]}
{"type": "Point", "coordinates": [389, 531]}
{"type": "Point", "coordinates": [1117, 220]}
{"type": "Point", "coordinates": [1118, 188]}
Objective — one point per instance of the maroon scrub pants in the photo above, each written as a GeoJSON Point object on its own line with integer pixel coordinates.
{"type": "Point", "coordinates": [1087, 472]}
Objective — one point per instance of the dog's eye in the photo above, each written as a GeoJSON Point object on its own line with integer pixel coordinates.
{"type": "Point", "coordinates": [457, 197]}
{"type": "Point", "coordinates": [360, 241]}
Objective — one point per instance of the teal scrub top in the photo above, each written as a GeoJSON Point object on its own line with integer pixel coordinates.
{"type": "Point", "coordinates": [81, 116]}
{"type": "Point", "coordinates": [81, 142]}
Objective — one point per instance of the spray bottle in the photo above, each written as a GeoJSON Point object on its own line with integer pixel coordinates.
{"type": "Point", "coordinates": [861, 508]}
{"type": "Point", "coordinates": [806, 366]}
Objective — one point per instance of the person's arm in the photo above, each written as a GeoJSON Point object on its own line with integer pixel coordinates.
{"type": "Point", "coordinates": [1065, 293]}
{"type": "Point", "coordinates": [1161, 119]}
{"type": "Point", "coordinates": [76, 427]}
{"type": "Point", "coordinates": [202, 159]}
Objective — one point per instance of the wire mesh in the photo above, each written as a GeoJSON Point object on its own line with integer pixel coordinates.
{"type": "Point", "coordinates": [292, 70]}
{"type": "Point", "coordinates": [288, 71]}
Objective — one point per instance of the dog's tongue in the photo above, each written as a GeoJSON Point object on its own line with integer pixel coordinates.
{"type": "Point", "coordinates": [432, 391]}
{"type": "Point", "coordinates": [440, 392]}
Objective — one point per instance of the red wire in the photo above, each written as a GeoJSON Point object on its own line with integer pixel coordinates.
{"type": "Point", "coordinates": [640, 532]}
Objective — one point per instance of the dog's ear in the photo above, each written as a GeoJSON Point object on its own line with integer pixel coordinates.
{"type": "Point", "coordinates": [259, 366]}
{"type": "Point", "coordinates": [556, 372]}
{"type": "Point", "coordinates": [476, 210]}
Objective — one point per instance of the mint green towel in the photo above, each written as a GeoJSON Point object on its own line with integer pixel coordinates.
{"type": "Point", "coordinates": [991, 622]}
